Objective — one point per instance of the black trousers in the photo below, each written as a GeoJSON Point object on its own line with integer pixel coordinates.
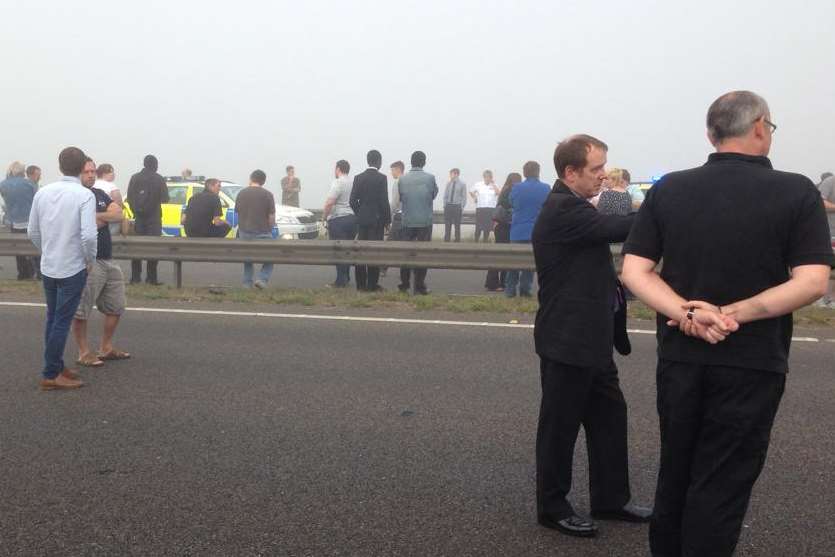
{"type": "Point", "coordinates": [409, 234]}
{"type": "Point", "coordinates": [591, 397]}
{"type": "Point", "coordinates": [452, 217]}
{"type": "Point", "coordinates": [483, 222]}
{"type": "Point", "coordinates": [25, 265]}
{"type": "Point", "coordinates": [715, 429]}
{"type": "Point", "coordinates": [496, 279]}
{"type": "Point", "coordinates": [368, 277]}
{"type": "Point", "coordinates": [145, 227]}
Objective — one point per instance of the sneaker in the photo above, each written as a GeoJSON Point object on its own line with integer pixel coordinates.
{"type": "Point", "coordinates": [260, 284]}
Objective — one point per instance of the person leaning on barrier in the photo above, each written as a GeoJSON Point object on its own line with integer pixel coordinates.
{"type": "Point", "coordinates": [340, 217]}
{"type": "Point", "coordinates": [370, 202]}
{"type": "Point", "coordinates": [62, 224]}
{"type": "Point", "coordinates": [743, 246]}
{"type": "Point", "coordinates": [203, 217]}
{"type": "Point", "coordinates": [416, 190]}
{"type": "Point", "coordinates": [18, 193]}
{"type": "Point", "coordinates": [581, 317]}
{"type": "Point", "coordinates": [105, 284]}
{"type": "Point", "coordinates": [255, 206]}
{"type": "Point", "coordinates": [502, 214]}
{"type": "Point", "coordinates": [105, 181]}
{"type": "Point", "coordinates": [147, 192]}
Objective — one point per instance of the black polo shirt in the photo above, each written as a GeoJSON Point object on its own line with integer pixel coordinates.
{"type": "Point", "coordinates": [104, 249]}
{"type": "Point", "coordinates": [727, 231]}
{"type": "Point", "coordinates": [200, 211]}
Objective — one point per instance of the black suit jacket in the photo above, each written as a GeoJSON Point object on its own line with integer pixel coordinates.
{"type": "Point", "coordinates": [577, 279]}
{"type": "Point", "coordinates": [370, 199]}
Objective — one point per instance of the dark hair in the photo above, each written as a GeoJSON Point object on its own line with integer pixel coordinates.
{"type": "Point", "coordinates": [103, 169]}
{"type": "Point", "coordinates": [210, 183]}
{"type": "Point", "coordinates": [374, 158]}
{"type": "Point", "coordinates": [31, 169]}
{"type": "Point", "coordinates": [418, 159]}
{"type": "Point", "coordinates": [86, 160]}
{"type": "Point", "coordinates": [627, 177]}
{"type": "Point", "coordinates": [512, 178]}
{"type": "Point", "coordinates": [258, 176]}
{"type": "Point", "coordinates": [531, 169]}
{"type": "Point", "coordinates": [824, 176]}
{"type": "Point", "coordinates": [151, 163]}
{"type": "Point", "coordinates": [71, 161]}
{"type": "Point", "coordinates": [345, 167]}
{"type": "Point", "coordinates": [398, 164]}
{"type": "Point", "coordinates": [574, 152]}
{"type": "Point", "coordinates": [289, 168]}
{"type": "Point", "coordinates": [456, 171]}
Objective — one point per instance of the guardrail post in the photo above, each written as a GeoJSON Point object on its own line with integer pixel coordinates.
{"type": "Point", "coordinates": [178, 272]}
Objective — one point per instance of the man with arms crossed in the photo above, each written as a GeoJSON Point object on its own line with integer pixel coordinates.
{"type": "Point", "coordinates": [574, 335]}
{"type": "Point", "coordinates": [105, 286]}
{"type": "Point", "coordinates": [62, 224]}
{"type": "Point", "coordinates": [750, 245]}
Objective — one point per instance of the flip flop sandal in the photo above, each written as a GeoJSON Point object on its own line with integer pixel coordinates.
{"type": "Point", "coordinates": [90, 361]}
{"type": "Point", "coordinates": [114, 355]}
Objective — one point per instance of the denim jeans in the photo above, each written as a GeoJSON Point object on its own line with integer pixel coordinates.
{"type": "Point", "coordinates": [266, 268]}
{"type": "Point", "coordinates": [62, 298]}
{"type": "Point", "coordinates": [342, 228]}
{"type": "Point", "coordinates": [524, 279]}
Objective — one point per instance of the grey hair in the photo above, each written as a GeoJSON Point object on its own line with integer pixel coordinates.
{"type": "Point", "coordinates": [734, 114]}
{"type": "Point", "coordinates": [16, 169]}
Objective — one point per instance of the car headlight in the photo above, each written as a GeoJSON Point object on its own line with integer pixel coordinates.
{"type": "Point", "coordinates": [286, 220]}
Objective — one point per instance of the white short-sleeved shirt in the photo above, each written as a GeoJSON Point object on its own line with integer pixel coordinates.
{"type": "Point", "coordinates": [486, 197]}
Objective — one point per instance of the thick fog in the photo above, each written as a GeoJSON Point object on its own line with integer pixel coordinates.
{"type": "Point", "coordinates": [227, 87]}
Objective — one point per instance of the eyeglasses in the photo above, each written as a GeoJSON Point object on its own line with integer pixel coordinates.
{"type": "Point", "coordinates": [771, 124]}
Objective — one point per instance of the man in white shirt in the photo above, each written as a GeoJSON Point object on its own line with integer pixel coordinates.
{"type": "Point", "coordinates": [62, 225]}
{"type": "Point", "coordinates": [486, 195]}
{"type": "Point", "coordinates": [105, 178]}
{"type": "Point", "coordinates": [342, 223]}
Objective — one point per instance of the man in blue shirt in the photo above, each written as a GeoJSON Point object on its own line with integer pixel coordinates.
{"type": "Point", "coordinates": [18, 193]}
{"type": "Point", "coordinates": [526, 198]}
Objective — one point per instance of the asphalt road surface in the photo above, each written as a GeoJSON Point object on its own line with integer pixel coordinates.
{"type": "Point", "coordinates": [292, 276]}
{"type": "Point", "coordinates": [244, 435]}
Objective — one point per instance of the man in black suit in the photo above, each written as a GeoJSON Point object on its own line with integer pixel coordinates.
{"type": "Point", "coordinates": [370, 202]}
{"type": "Point", "coordinates": [574, 334]}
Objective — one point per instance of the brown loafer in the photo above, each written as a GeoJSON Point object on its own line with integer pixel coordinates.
{"type": "Point", "coordinates": [60, 382]}
{"type": "Point", "coordinates": [71, 374]}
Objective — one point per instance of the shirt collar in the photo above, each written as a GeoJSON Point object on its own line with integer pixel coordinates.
{"type": "Point", "coordinates": [738, 157]}
{"type": "Point", "coordinates": [71, 179]}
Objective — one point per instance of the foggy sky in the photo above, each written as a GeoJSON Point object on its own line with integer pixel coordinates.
{"type": "Point", "coordinates": [227, 87]}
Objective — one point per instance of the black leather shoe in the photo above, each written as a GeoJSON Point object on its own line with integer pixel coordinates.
{"type": "Point", "coordinates": [422, 292]}
{"type": "Point", "coordinates": [629, 513]}
{"type": "Point", "coordinates": [572, 526]}
{"type": "Point", "coordinates": [154, 283]}
{"type": "Point", "coordinates": [403, 287]}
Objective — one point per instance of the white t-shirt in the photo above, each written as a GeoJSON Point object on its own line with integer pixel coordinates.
{"type": "Point", "coordinates": [340, 192]}
{"type": "Point", "coordinates": [106, 187]}
{"type": "Point", "coordinates": [486, 197]}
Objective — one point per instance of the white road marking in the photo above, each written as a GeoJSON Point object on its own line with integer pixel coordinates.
{"type": "Point", "coordinates": [350, 318]}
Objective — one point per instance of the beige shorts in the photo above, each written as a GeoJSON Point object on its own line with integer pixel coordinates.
{"type": "Point", "coordinates": [105, 288]}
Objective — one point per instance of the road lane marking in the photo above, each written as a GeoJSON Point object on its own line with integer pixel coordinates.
{"type": "Point", "coordinates": [312, 316]}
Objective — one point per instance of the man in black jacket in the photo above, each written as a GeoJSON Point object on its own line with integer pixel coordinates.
{"type": "Point", "coordinates": [147, 192]}
{"type": "Point", "coordinates": [370, 202]}
{"type": "Point", "coordinates": [574, 335]}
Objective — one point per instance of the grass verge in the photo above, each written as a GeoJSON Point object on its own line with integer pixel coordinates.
{"type": "Point", "coordinates": [388, 300]}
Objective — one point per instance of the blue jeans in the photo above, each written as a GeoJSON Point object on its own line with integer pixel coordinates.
{"type": "Point", "coordinates": [62, 299]}
{"type": "Point", "coordinates": [266, 268]}
{"type": "Point", "coordinates": [524, 279]}
{"type": "Point", "coordinates": [342, 228]}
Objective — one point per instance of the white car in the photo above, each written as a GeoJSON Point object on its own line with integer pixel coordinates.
{"type": "Point", "coordinates": [293, 223]}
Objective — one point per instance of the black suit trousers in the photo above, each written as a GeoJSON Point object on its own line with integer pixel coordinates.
{"type": "Point", "coordinates": [145, 227]}
{"type": "Point", "coordinates": [715, 429]}
{"type": "Point", "coordinates": [573, 396]}
{"type": "Point", "coordinates": [411, 234]}
{"type": "Point", "coordinates": [368, 277]}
